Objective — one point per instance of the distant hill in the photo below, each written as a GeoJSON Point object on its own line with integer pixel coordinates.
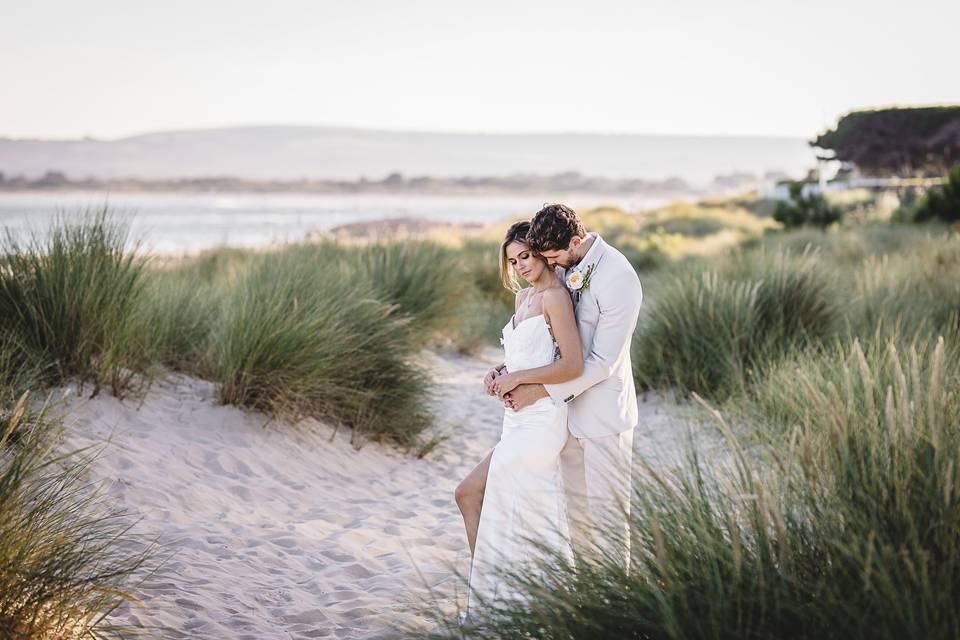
{"type": "Point", "coordinates": [292, 153]}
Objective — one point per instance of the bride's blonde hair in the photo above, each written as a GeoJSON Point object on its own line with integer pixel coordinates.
{"type": "Point", "coordinates": [516, 233]}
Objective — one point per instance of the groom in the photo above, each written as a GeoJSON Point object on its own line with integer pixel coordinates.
{"type": "Point", "coordinates": [602, 402]}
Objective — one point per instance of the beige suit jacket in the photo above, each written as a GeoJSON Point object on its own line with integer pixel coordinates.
{"type": "Point", "coordinates": [603, 400]}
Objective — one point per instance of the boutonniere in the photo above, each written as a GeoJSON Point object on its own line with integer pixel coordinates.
{"type": "Point", "coordinates": [578, 282]}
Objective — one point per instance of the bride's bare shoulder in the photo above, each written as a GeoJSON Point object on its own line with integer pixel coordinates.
{"type": "Point", "coordinates": [557, 297]}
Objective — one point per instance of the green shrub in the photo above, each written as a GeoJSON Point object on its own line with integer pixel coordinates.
{"type": "Point", "coordinates": [909, 197]}
{"type": "Point", "coordinates": [805, 210]}
{"type": "Point", "coordinates": [939, 204]}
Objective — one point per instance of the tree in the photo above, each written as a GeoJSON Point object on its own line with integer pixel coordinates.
{"type": "Point", "coordinates": [898, 141]}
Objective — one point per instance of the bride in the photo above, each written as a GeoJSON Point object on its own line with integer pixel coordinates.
{"type": "Point", "coordinates": [514, 497]}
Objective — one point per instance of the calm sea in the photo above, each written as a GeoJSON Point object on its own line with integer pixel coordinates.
{"type": "Point", "coordinates": [173, 223]}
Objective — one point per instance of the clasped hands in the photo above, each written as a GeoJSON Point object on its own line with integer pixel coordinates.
{"type": "Point", "coordinates": [507, 386]}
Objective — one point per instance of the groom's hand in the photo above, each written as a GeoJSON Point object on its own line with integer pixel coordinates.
{"type": "Point", "coordinates": [524, 396]}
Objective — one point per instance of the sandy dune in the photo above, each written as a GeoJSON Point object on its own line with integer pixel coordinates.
{"type": "Point", "coordinates": [282, 531]}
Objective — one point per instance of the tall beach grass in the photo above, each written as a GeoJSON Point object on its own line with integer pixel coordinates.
{"type": "Point", "coordinates": [299, 338]}
{"type": "Point", "coordinates": [847, 528]}
{"type": "Point", "coordinates": [710, 330]}
{"type": "Point", "coordinates": [835, 511]}
{"type": "Point", "coordinates": [69, 294]}
{"type": "Point", "coordinates": [67, 557]}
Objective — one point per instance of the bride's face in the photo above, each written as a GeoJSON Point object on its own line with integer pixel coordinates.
{"type": "Point", "coordinates": [525, 262]}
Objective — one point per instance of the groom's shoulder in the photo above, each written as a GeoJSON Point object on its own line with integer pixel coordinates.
{"type": "Point", "coordinates": [617, 262]}
{"type": "Point", "coordinates": [617, 277]}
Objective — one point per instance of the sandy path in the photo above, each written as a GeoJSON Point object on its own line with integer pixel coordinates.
{"type": "Point", "coordinates": [289, 532]}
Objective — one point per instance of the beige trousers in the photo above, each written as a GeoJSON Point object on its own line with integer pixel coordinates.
{"type": "Point", "coordinates": [597, 484]}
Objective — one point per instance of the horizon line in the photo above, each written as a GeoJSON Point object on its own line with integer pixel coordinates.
{"type": "Point", "coordinates": [388, 130]}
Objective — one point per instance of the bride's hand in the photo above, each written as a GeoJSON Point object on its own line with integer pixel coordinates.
{"type": "Point", "coordinates": [488, 381]}
{"type": "Point", "coordinates": [505, 384]}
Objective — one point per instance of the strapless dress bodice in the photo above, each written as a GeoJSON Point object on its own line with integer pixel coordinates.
{"type": "Point", "coordinates": [529, 344]}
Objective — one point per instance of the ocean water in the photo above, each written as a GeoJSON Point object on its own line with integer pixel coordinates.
{"type": "Point", "coordinates": [291, 153]}
{"type": "Point", "coordinates": [180, 222]}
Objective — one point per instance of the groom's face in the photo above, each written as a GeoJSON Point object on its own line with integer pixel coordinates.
{"type": "Point", "coordinates": [565, 258]}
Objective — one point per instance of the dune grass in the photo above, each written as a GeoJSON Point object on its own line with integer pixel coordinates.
{"type": "Point", "coordinates": [69, 295]}
{"type": "Point", "coordinates": [486, 305]}
{"type": "Point", "coordinates": [316, 330]}
{"type": "Point", "coordinates": [709, 331]}
{"type": "Point", "coordinates": [836, 353]}
{"type": "Point", "coordinates": [841, 523]}
{"type": "Point", "coordinates": [697, 328]}
{"type": "Point", "coordinates": [20, 369]}
{"type": "Point", "coordinates": [890, 362]}
{"type": "Point", "coordinates": [67, 558]}
{"type": "Point", "coordinates": [845, 529]}
{"type": "Point", "coordinates": [307, 330]}
{"type": "Point", "coordinates": [916, 287]}
{"type": "Point", "coordinates": [425, 280]}
{"type": "Point", "coordinates": [298, 338]}
{"type": "Point", "coordinates": [178, 312]}
{"type": "Point", "coordinates": [848, 247]}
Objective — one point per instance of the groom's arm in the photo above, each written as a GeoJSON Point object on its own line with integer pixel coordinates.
{"type": "Point", "coordinates": [619, 302]}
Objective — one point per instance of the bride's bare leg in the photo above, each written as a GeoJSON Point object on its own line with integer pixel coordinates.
{"type": "Point", "coordinates": [469, 496]}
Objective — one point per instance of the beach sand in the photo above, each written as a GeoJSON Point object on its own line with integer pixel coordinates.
{"type": "Point", "coordinates": [287, 531]}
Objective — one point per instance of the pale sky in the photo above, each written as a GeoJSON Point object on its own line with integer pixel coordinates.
{"type": "Point", "coordinates": [110, 68]}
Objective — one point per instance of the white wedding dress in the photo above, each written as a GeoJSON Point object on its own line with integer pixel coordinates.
{"type": "Point", "coordinates": [523, 503]}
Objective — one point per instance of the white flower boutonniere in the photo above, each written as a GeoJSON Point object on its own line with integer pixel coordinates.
{"type": "Point", "coordinates": [577, 282]}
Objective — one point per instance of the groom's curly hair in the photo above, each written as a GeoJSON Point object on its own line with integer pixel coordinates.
{"type": "Point", "coordinates": [553, 227]}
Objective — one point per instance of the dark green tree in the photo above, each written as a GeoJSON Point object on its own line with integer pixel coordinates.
{"type": "Point", "coordinates": [897, 141]}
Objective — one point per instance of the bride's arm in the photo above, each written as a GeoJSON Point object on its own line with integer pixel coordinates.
{"type": "Point", "coordinates": [501, 368]}
{"type": "Point", "coordinates": [558, 309]}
